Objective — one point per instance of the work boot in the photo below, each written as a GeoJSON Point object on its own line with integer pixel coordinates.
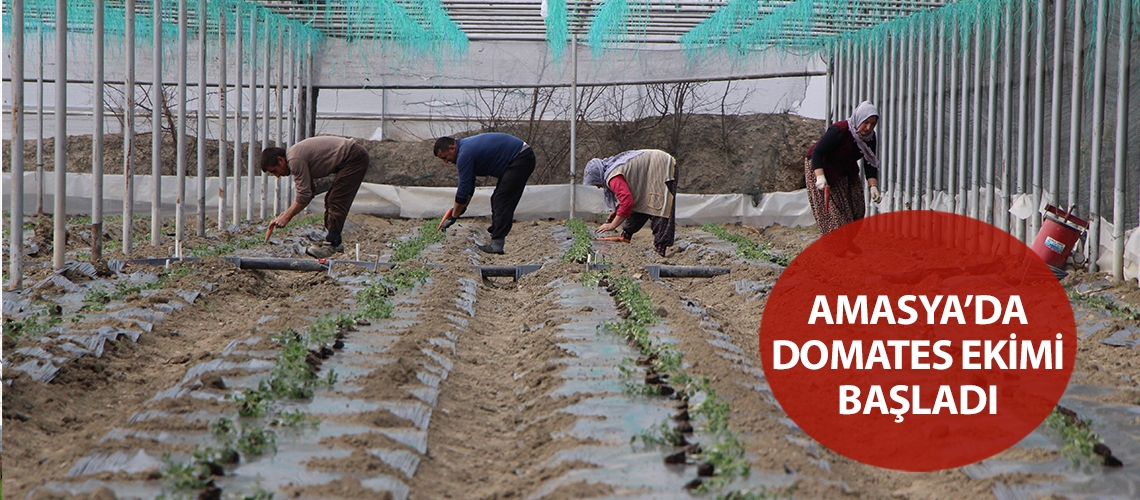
{"type": "Point", "coordinates": [496, 246]}
{"type": "Point", "coordinates": [323, 250]}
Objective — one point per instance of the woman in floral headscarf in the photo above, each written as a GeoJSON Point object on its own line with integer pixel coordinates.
{"type": "Point", "coordinates": [833, 163]}
{"type": "Point", "coordinates": [640, 187]}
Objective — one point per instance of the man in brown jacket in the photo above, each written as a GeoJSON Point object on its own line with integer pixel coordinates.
{"type": "Point", "coordinates": [315, 158]}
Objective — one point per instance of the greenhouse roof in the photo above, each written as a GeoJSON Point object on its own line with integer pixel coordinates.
{"type": "Point", "coordinates": [448, 25]}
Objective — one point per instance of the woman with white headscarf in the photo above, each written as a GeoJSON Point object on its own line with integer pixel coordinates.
{"type": "Point", "coordinates": [640, 187]}
{"type": "Point", "coordinates": [833, 163]}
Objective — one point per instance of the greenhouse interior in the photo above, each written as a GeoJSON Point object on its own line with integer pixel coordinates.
{"type": "Point", "coordinates": [185, 316]}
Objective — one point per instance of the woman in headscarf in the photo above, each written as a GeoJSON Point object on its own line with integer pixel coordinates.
{"type": "Point", "coordinates": [833, 163]}
{"type": "Point", "coordinates": [640, 187]}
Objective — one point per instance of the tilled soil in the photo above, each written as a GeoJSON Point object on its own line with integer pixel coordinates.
{"type": "Point", "coordinates": [483, 361]}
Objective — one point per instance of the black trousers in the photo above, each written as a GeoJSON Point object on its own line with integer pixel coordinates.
{"type": "Point", "coordinates": [663, 227]}
{"type": "Point", "coordinates": [508, 192]}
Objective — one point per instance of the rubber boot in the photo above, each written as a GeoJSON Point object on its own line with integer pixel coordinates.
{"type": "Point", "coordinates": [496, 246]}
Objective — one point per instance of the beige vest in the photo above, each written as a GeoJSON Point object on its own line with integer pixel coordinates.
{"type": "Point", "coordinates": [646, 175]}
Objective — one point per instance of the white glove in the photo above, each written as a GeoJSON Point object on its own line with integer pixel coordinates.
{"type": "Point", "coordinates": [820, 182]}
{"type": "Point", "coordinates": [875, 196]}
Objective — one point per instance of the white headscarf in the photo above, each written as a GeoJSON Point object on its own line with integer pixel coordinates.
{"type": "Point", "coordinates": [862, 112]}
{"type": "Point", "coordinates": [598, 169]}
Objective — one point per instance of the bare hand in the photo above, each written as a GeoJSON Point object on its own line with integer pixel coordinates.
{"type": "Point", "coordinates": [607, 227]}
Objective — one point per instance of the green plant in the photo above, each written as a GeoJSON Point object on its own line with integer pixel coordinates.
{"type": "Point", "coordinates": [1077, 435]}
{"type": "Point", "coordinates": [590, 279]}
{"type": "Point", "coordinates": [32, 326]}
{"type": "Point", "coordinates": [1097, 301]}
{"type": "Point", "coordinates": [256, 442]}
{"type": "Point", "coordinates": [251, 402]}
{"type": "Point", "coordinates": [661, 434]}
{"type": "Point", "coordinates": [727, 457]}
{"type": "Point", "coordinates": [258, 493]}
{"type": "Point", "coordinates": [580, 248]}
{"type": "Point", "coordinates": [427, 235]}
{"type": "Point", "coordinates": [96, 299]}
{"type": "Point", "coordinates": [747, 248]}
{"type": "Point", "coordinates": [181, 477]}
{"type": "Point", "coordinates": [295, 419]}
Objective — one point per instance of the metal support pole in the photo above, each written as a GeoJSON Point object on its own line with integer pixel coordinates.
{"type": "Point", "coordinates": [964, 194]}
{"type": "Point", "coordinates": [252, 144]}
{"type": "Point", "coordinates": [265, 126]}
{"type": "Point", "coordinates": [991, 128]}
{"type": "Point", "coordinates": [16, 149]}
{"type": "Point", "coordinates": [278, 191]}
{"type": "Point", "coordinates": [917, 46]}
{"type": "Point", "coordinates": [223, 118]}
{"type": "Point", "coordinates": [157, 98]}
{"type": "Point", "coordinates": [928, 95]}
{"type": "Point", "coordinates": [238, 58]}
{"type": "Point", "coordinates": [573, 114]}
{"type": "Point", "coordinates": [830, 114]}
{"type": "Point", "coordinates": [1006, 129]}
{"type": "Point", "coordinates": [952, 120]}
{"type": "Point", "coordinates": [129, 131]}
{"type": "Point", "coordinates": [976, 126]}
{"type": "Point", "coordinates": [1038, 121]}
{"type": "Point", "coordinates": [1120, 180]}
{"type": "Point", "coordinates": [59, 217]}
{"type": "Point", "coordinates": [40, 117]}
{"type": "Point", "coordinates": [1022, 112]}
{"type": "Point", "coordinates": [1075, 103]}
{"type": "Point", "coordinates": [894, 132]}
{"type": "Point", "coordinates": [96, 137]}
{"type": "Point", "coordinates": [180, 140]}
{"type": "Point", "coordinates": [941, 112]}
{"type": "Point", "coordinates": [1097, 133]}
{"type": "Point", "coordinates": [291, 135]}
{"type": "Point", "coordinates": [201, 140]}
{"type": "Point", "coordinates": [1055, 118]}
{"type": "Point", "coordinates": [908, 114]}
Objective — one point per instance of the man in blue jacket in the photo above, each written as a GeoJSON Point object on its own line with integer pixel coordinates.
{"type": "Point", "coordinates": [498, 155]}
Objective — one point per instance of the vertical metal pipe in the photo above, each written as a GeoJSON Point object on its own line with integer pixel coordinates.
{"type": "Point", "coordinates": [311, 120]}
{"type": "Point", "coordinates": [97, 137]}
{"type": "Point", "coordinates": [1038, 120]}
{"type": "Point", "coordinates": [991, 127]}
{"type": "Point", "coordinates": [180, 139]}
{"type": "Point", "coordinates": [59, 218]}
{"type": "Point", "coordinates": [1022, 111]}
{"type": "Point", "coordinates": [928, 95]}
{"type": "Point", "coordinates": [952, 119]}
{"type": "Point", "coordinates": [906, 102]}
{"type": "Point", "coordinates": [917, 36]}
{"type": "Point", "coordinates": [1120, 180]}
{"type": "Point", "coordinates": [965, 195]}
{"type": "Point", "coordinates": [976, 118]}
{"type": "Point", "coordinates": [291, 135]}
{"type": "Point", "coordinates": [129, 131]}
{"type": "Point", "coordinates": [201, 140]}
{"type": "Point", "coordinates": [252, 144]}
{"type": "Point", "coordinates": [1006, 128]}
{"type": "Point", "coordinates": [895, 135]}
{"type": "Point", "coordinates": [16, 149]}
{"type": "Point", "coordinates": [1075, 104]}
{"type": "Point", "coordinates": [940, 114]}
{"type": "Point", "coordinates": [1055, 118]}
{"type": "Point", "coordinates": [830, 114]}
{"type": "Point", "coordinates": [238, 57]}
{"type": "Point", "coordinates": [223, 118]}
{"type": "Point", "coordinates": [157, 100]}
{"type": "Point", "coordinates": [265, 126]}
{"type": "Point", "coordinates": [278, 191]}
{"type": "Point", "coordinates": [1097, 133]}
{"type": "Point", "coordinates": [573, 114]}
{"type": "Point", "coordinates": [40, 116]}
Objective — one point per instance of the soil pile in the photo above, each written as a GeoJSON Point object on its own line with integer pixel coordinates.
{"type": "Point", "coordinates": [715, 154]}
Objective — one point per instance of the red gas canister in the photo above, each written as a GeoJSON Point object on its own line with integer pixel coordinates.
{"type": "Point", "coordinates": [1059, 233]}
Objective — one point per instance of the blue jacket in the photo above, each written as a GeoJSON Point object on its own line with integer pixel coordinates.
{"type": "Point", "coordinates": [483, 154]}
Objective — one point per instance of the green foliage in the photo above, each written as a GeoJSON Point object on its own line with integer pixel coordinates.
{"type": "Point", "coordinates": [590, 279]}
{"type": "Point", "coordinates": [409, 249]}
{"type": "Point", "coordinates": [760, 494]}
{"type": "Point", "coordinates": [35, 325]}
{"type": "Point", "coordinates": [579, 250]}
{"type": "Point", "coordinates": [258, 493]}
{"type": "Point", "coordinates": [747, 248]}
{"type": "Point", "coordinates": [224, 248]}
{"type": "Point", "coordinates": [294, 419]}
{"type": "Point", "coordinates": [251, 402]}
{"type": "Point", "coordinates": [1098, 301]}
{"type": "Point", "coordinates": [661, 434]}
{"type": "Point", "coordinates": [182, 478]}
{"type": "Point", "coordinates": [1077, 436]}
{"type": "Point", "coordinates": [727, 457]}
{"type": "Point", "coordinates": [255, 442]}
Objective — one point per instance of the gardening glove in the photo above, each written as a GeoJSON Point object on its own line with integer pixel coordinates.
{"type": "Point", "coordinates": [875, 196]}
{"type": "Point", "coordinates": [820, 182]}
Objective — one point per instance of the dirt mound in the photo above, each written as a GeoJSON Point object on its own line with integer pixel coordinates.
{"type": "Point", "coordinates": [715, 154]}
